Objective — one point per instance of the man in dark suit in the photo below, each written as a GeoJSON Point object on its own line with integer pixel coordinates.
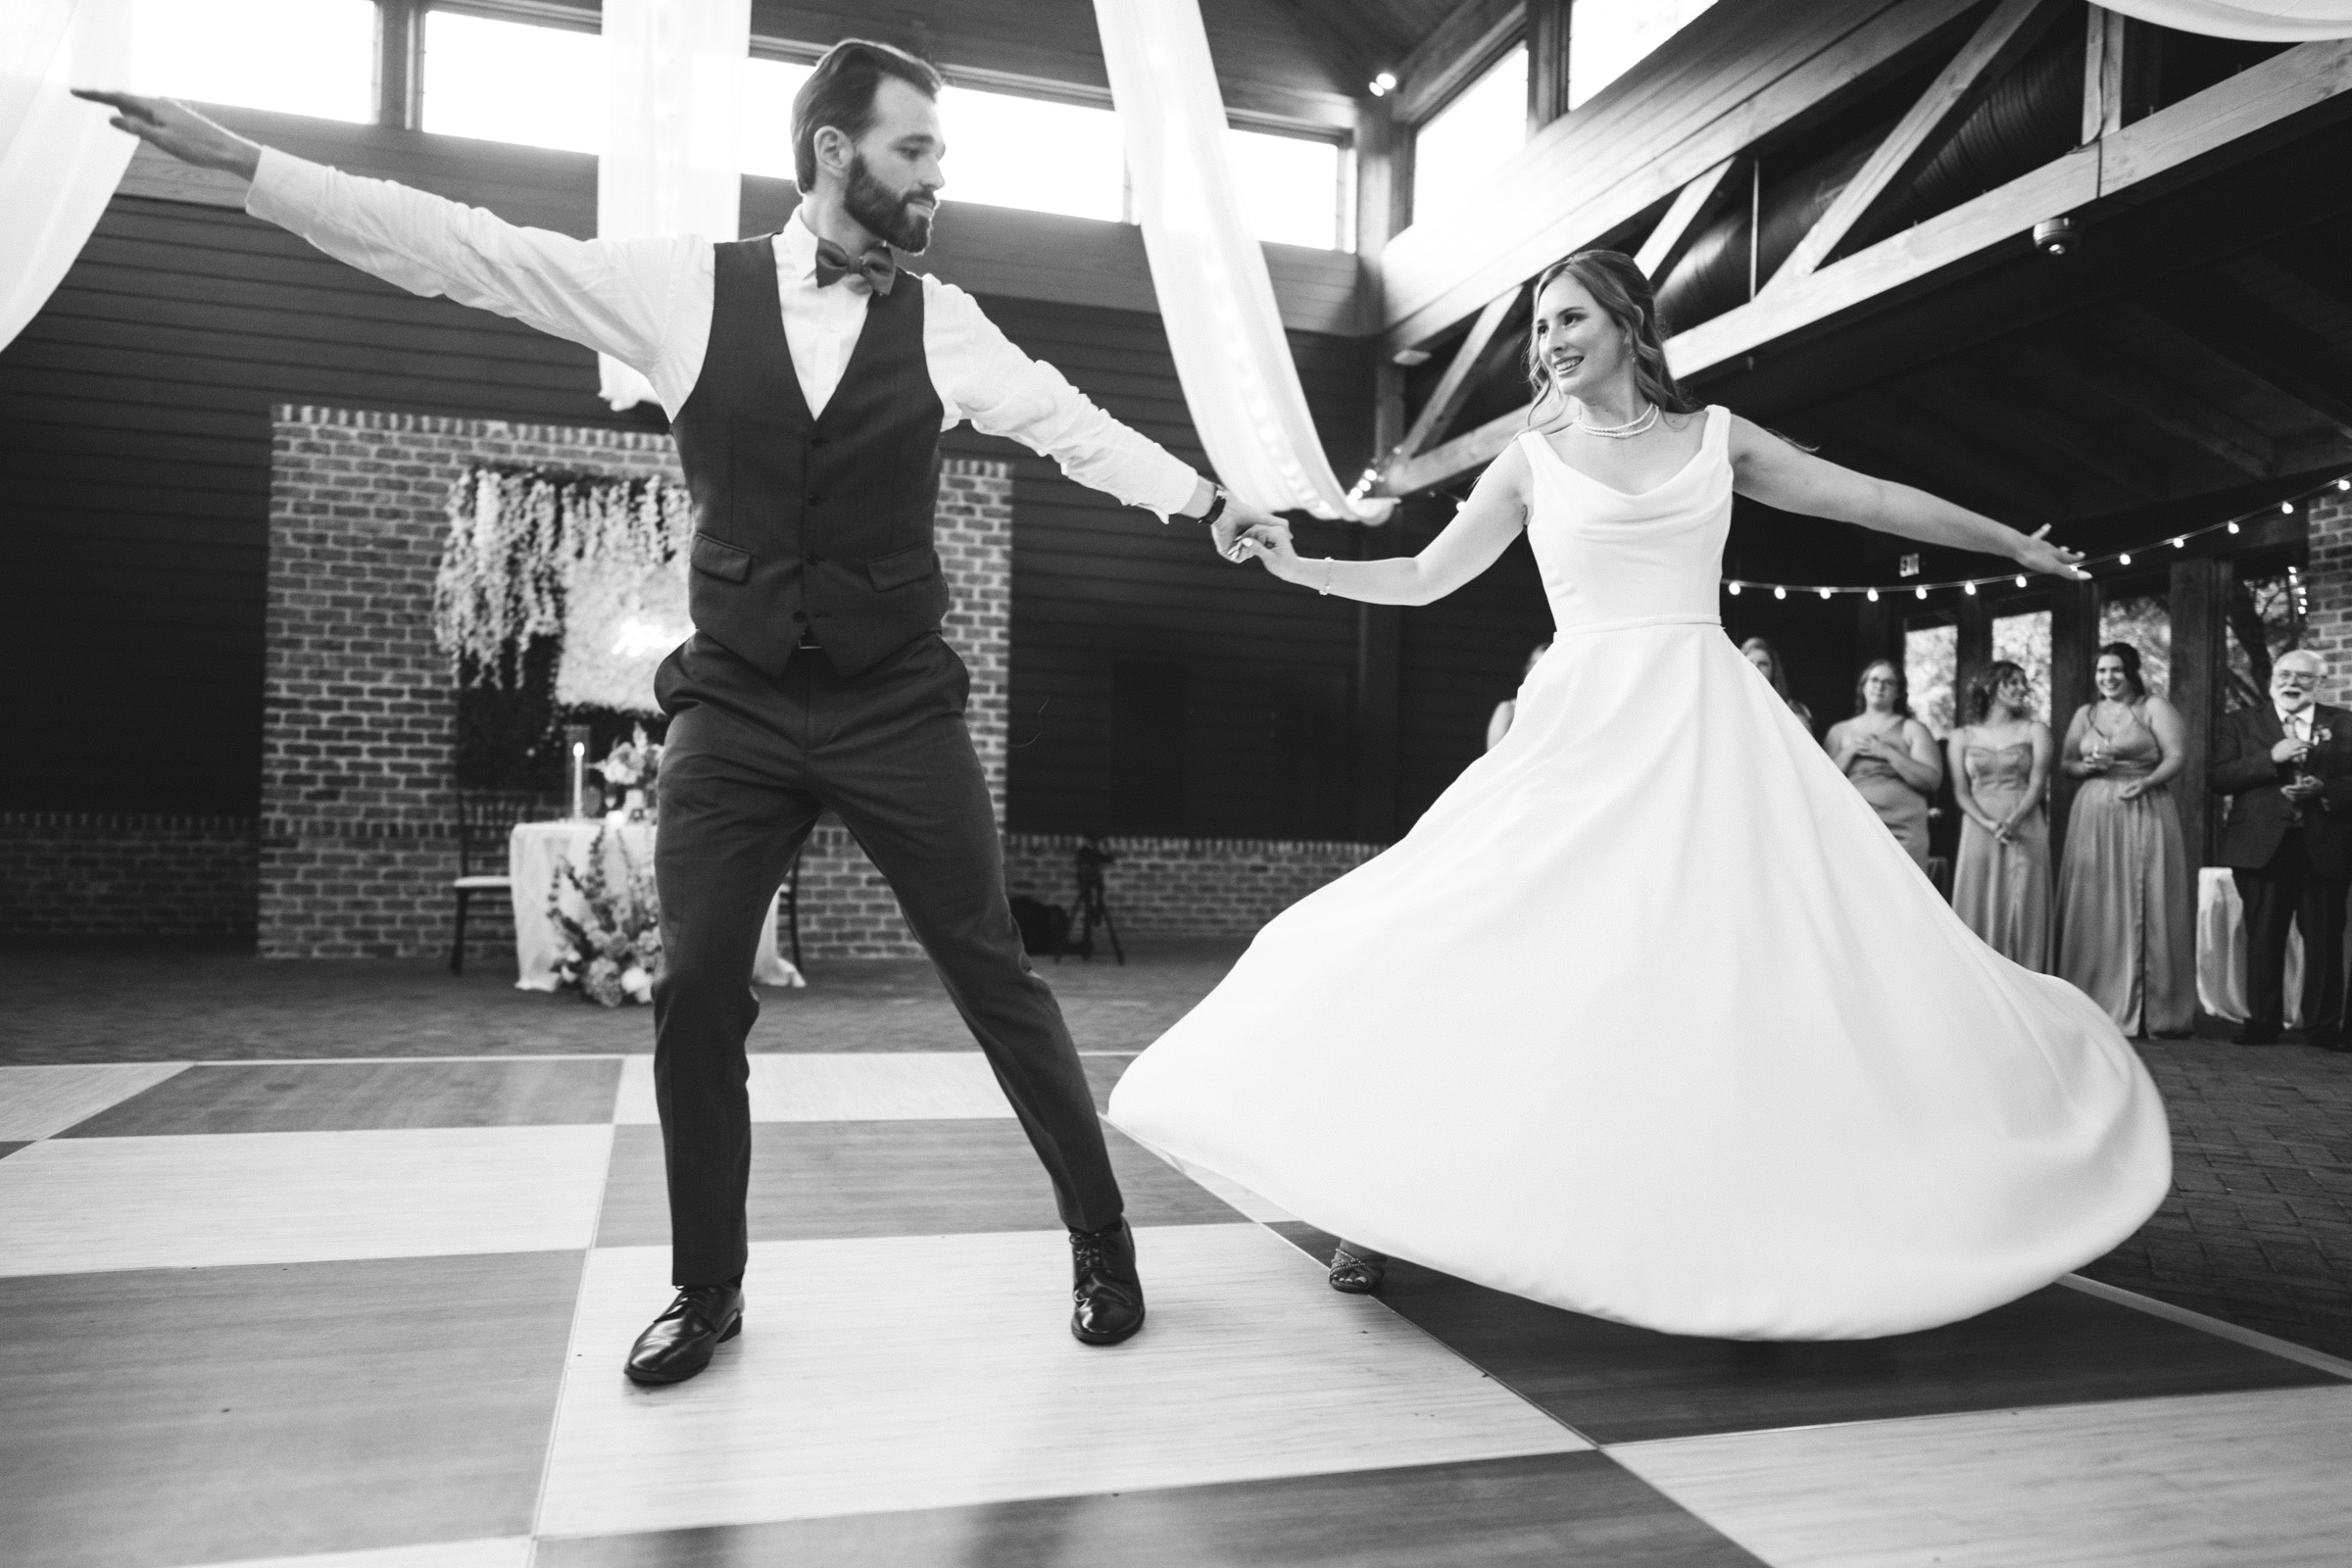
{"type": "Point", "coordinates": [2286, 766]}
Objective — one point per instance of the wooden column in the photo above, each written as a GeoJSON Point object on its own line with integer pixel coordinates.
{"type": "Point", "coordinates": [1546, 62]}
{"type": "Point", "coordinates": [1379, 689]}
{"type": "Point", "coordinates": [1383, 183]}
{"type": "Point", "coordinates": [1975, 650]}
{"type": "Point", "coordinates": [398, 52]}
{"type": "Point", "coordinates": [2200, 596]}
{"type": "Point", "coordinates": [2074, 650]}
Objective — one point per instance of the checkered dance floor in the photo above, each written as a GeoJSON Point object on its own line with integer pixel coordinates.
{"type": "Point", "coordinates": [372, 1314]}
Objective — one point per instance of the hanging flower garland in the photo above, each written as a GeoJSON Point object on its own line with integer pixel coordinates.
{"type": "Point", "coordinates": [1969, 585]}
{"type": "Point", "coordinates": [520, 539]}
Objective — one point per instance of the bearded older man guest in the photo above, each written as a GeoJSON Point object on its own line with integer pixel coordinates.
{"type": "Point", "coordinates": [2286, 766]}
{"type": "Point", "coordinates": [807, 381]}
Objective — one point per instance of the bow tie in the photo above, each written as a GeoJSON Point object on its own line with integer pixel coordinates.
{"type": "Point", "coordinates": [876, 267]}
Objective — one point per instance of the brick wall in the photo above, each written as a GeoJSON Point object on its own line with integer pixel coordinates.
{"type": "Point", "coordinates": [2328, 628]}
{"type": "Point", "coordinates": [160, 877]}
{"type": "Point", "coordinates": [1184, 887]}
{"type": "Point", "coordinates": [358, 726]}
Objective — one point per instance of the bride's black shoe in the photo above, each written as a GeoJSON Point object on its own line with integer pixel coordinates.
{"type": "Point", "coordinates": [1357, 1270]}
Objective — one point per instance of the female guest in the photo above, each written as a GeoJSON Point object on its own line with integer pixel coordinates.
{"type": "Point", "coordinates": [2001, 764]}
{"type": "Point", "coordinates": [1889, 754]}
{"type": "Point", "coordinates": [1767, 660]}
{"type": "Point", "coordinates": [2124, 908]}
{"type": "Point", "coordinates": [1499, 723]}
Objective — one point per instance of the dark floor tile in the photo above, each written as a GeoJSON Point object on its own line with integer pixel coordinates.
{"type": "Point", "coordinates": [359, 1095]}
{"type": "Point", "coordinates": [208, 1415]}
{"type": "Point", "coordinates": [1103, 1075]}
{"type": "Point", "coordinates": [1616, 1383]}
{"type": "Point", "coordinates": [1499, 1513]}
{"type": "Point", "coordinates": [6, 1149]}
{"type": "Point", "coordinates": [819, 1179]}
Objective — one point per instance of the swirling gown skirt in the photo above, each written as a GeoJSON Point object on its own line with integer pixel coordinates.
{"type": "Point", "coordinates": [1648, 1017]}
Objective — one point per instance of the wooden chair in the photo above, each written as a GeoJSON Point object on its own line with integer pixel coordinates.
{"type": "Point", "coordinates": [486, 820]}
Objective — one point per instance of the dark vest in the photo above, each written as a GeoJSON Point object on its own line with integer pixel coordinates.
{"type": "Point", "coordinates": [810, 526]}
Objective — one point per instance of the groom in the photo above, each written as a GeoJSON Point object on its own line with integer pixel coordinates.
{"type": "Point", "coordinates": [808, 380]}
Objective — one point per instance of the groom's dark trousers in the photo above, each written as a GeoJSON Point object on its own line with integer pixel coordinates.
{"type": "Point", "coordinates": [817, 677]}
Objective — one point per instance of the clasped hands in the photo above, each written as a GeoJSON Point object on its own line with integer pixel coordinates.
{"type": "Point", "coordinates": [2304, 786]}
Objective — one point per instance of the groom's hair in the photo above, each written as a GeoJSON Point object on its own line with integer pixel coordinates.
{"type": "Point", "coordinates": [840, 93]}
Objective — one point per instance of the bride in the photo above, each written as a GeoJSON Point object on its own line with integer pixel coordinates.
{"type": "Point", "coordinates": [1648, 1016]}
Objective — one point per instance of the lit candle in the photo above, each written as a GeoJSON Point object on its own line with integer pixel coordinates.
{"type": "Point", "coordinates": [579, 779]}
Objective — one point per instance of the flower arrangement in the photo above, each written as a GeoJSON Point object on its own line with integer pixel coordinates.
{"type": "Point", "coordinates": [631, 765]}
{"type": "Point", "coordinates": [521, 543]}
{"type": "Point", "coordinates": [612, 948]}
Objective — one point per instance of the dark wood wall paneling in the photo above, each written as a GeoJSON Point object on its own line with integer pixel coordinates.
{"type": "Point", "coordinates": [136, 443]}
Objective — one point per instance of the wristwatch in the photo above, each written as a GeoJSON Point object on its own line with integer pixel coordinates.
{"type": "Point", "coordinates": [1216, 506]}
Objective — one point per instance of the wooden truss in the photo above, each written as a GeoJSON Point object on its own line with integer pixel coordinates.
{"type": "Point", "coordinates": [1829, 278]}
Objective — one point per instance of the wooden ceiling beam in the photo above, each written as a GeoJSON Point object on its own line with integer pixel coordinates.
{"type": "Point", "coordinates": [2234, 333]}
{"type": "Point", "coordinates": [1950, 471]}
{"type": "Point", "coordinates": [2236, 117]}
{"type": "Point", "coordinates": [2126, 386]}
{"type": "Point", "coordinates": [1460, 379]}
{"type": "Point", "coordinates": [2000, 40]}
{"type": "Point", "coordinates": [1969, 398]}
{"type": "Point", "coordinates": [1692, 205]}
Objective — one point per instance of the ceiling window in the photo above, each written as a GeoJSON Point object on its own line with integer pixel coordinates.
{"type": "Point", "coordinates": [1606, 39]}
{"type": "Point", "coordinates": [768, 86]}
{"type": "Point", "coordinates": [1468, 139]}
{"type": "Point", "coordinates": [1291, 188]}
{"type": "Point", "coordinates": [1005, 151]}
{"type": "Point", "coordinates": [298, 57]}
{"type": "Point", "coordinates": [514, 82]}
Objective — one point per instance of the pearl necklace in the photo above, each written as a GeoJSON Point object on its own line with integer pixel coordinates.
{"type": "Point", "coordinates": [1617, 432]}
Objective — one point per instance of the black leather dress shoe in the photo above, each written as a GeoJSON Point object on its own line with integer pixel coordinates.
{"type": "Point", "coordinates": [1109, 1295]}
{"type": "Point", "coordinates": [2325, 1039]}
{"type": "Point", "coordinates": [679, 1344]}
{"type": "Point", "coordinates": [2257, 1034]}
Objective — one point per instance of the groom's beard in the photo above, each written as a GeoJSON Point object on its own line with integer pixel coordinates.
{"type": "Point", "coordinates": [901, 217]}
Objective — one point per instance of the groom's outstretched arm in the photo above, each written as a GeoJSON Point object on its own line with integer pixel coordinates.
{"type": "Point", "coordinates": [986, 378]}
{"type": "Point", "coordinates": [614, 297]}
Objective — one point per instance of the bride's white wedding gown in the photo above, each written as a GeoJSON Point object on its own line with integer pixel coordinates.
{"type": "Point", "coordinates": [1649, 1017]}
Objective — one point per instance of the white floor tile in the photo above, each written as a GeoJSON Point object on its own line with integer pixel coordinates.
{"type": "Point", "coordinates": [512, 1552]}
{"type": "Point", "coordinates": [834, 1401]}
{"type": "Point", "coordinates": [877, 1086]}
{"type": "Point", "coordinates": [86, 1205]}
{"type": "Point", "coordinates": [43, 1101]}
{"type": "Point", "coordinates": [2247, 1480]}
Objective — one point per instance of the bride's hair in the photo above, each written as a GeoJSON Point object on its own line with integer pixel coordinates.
{"type": "Point", "coordinates": [1618, 287]}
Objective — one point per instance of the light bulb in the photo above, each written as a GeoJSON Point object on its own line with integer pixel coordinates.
{"type": "Point", "coordinates": [1971, 589]}
{"type": "Point", "coordinates": [1921, 592]}
{"type": "Point", "coordinates": [2287, 507]}
{"type": "Point", "coordinates": [2181, 543]}
{"type": "Point", "coordinates": [1874, 596]}
{"type": "Point", "coordinates": [2123, 560]}
{"type": "Point", "coordinates": [1779, 592]}
{"type": "Point", "coordinates": [2233, 527]}
{"type": "Point", "coordinates": [1824, 593]}
{"type": "Point", "coordinates": [1734, 590]}
{"type": "Point", "coordinates": [2021, 579]}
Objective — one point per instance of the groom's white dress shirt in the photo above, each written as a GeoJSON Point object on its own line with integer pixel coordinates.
{"type": "Point", "coordinates": [647, 303]}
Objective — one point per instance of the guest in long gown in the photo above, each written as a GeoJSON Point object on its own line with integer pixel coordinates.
{"type": "Point", "coordinates": [1889, 756]}
{"type": "Point", "coordinates": [2000, 762]}
{"type": "Point", "coordinates": [2125, 932]}
{"type": "Point", "coordinates": [1761, 652]}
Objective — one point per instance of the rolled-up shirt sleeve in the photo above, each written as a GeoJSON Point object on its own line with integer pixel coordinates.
{"type": "Point", "coordinates": [616, 297]}
{"type": "Point", "coordinates": [983, 377]}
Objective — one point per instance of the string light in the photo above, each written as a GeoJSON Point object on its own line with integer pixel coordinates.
{"type": "Point", "coordinates": [1734, 590]}
{"type": "Point", "coordinates": [2121, 557]}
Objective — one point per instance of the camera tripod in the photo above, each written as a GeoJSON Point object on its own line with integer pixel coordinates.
{"type": "Point", "coordinates": [1093, 906]}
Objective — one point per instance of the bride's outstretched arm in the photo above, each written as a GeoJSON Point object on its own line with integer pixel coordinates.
{"type": "Point", "coordinates": [1769, 469]}
{"type": "Point", "coordinates": [1479, 533]}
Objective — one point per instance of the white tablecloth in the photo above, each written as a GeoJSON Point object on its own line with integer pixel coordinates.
{"type": "Point", "coordinates": [532, 852]}
{"type": "Point", "coordinates": [2222, 951]}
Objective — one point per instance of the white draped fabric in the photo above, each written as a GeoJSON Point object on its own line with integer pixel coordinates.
{"type": "Point", "coordinates": [2275, 21]}
{"type": "Point", "coordinates": [60, 161]}
{"type": "Point", "coordinates": [1215, 296]}
{"type": "Point", "coordinates": [672, 162]}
